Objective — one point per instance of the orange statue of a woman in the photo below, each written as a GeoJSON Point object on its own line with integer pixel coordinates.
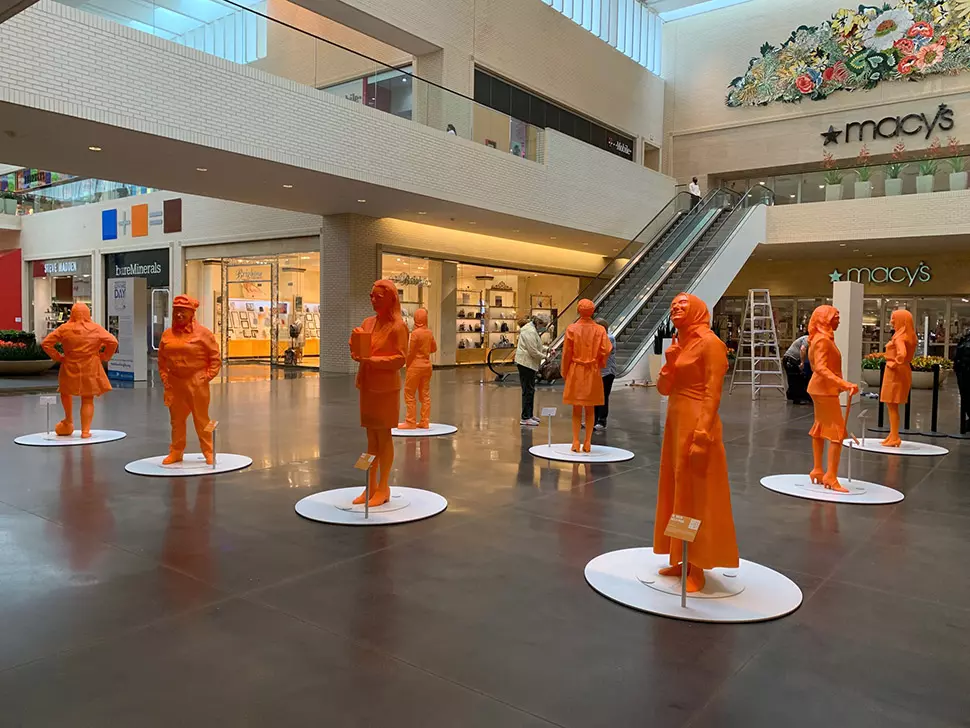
{"type": "Point", "coordinates": [379, 382]}
{"type": "Point", "coordinates": [898, 378]}
{"type": "Point", "coordinates": [188, 359]}
{"type": "Point", "coordinates": [584, 353]}
{"type": "Point", "coordinates": [824, 388]}
{"type": "Point", "coordinates": [693, 464]}
{"type": "Point", "coordinates": [417, 381]}
{"type": "Point", "coordinates": [85, 346]}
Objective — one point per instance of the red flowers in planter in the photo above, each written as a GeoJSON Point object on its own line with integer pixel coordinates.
{"type": "Point", "coordinates": [12, 345]}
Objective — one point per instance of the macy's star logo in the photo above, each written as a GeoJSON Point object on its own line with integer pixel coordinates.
{"type": "Point", "coordinates": [835, 276]}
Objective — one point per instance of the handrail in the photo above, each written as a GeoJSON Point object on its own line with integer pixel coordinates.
{"type": "Point", "coordinates": [500, 376]}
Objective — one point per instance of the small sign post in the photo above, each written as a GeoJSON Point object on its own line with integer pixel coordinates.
{"type": "Point", "coordinates": [46, 400]}
{"type": "Point", "coordinates": [211, 427]}
{"type": "Point", "coordinates": [549, 412]}
{"type": "Point", "coordinates": [685, 529]}
{"type": "Point", "coordinates": [365, 462]}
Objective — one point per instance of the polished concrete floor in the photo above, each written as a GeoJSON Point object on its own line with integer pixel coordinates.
{"type": "Point", "coordinates": [128, 601]}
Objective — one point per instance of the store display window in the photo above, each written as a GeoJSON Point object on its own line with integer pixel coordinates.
{"type": "Point", "coordinates": [56, 285]}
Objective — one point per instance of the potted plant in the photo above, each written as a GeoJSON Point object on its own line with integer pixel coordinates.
{"type": "Point", "coordinates": [661, 341]}
{"type": "Point", "coordinates": [8, 204]}
{"type": "Point", "coordinates": [928, 168]}
{"type": "Point", "coordinates": [21, 354]}
{"type": "Point", "coordinates": [894, 185]}
{"type": "Point", "coordinates": [871, 365]}
{"type": "Point", "coordinates": [833, 178]}
{"type": "Point", "coordinates": [958, 175]}
{"type": "Point", "coordinates": [923, 370]}
{"type": "Point", "coordinates": [863, 186]}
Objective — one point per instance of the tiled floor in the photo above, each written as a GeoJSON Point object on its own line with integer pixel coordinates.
{"type": "Point", "coordinates": [128, 601]}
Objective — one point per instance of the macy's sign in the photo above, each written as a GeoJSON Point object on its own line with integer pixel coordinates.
{"type": "Point", "coordinates": [881, 275]}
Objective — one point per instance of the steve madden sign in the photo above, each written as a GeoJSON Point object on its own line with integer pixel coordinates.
{"type": "Point", "coordinates": [891, 127]}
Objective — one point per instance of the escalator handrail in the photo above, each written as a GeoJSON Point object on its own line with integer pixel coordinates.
{"type": "Point", "coordinates": [488, 361]}
{"type": "Point", "coordinates": [648, 340]}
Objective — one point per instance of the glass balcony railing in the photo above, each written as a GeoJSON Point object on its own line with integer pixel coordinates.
{"type": "Point", "coordinates": [71, 194]}
{"type": "Point", "coordinates": [245, 34]}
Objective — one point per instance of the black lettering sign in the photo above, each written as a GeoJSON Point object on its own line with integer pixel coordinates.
{"type": "Point", "coordinates": [891, 127]}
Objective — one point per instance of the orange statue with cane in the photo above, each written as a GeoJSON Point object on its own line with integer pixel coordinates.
{"type": "Point", "coordinates": [693, 463]}
{"type": "Point", "coordinates": [84, 347]}
{"type": "Point", "coordinates": [417, 381]}
{"type": "Point", "coordinates": [824, 388]}
{"type": "Point", "coordinates": [380, 345]}
{"type": "Point", "coordinates": [584, 354]}
{"type": "Point", "coordinates": [188, 359]}
{"type": "Point", "coordinates": [898, 379]}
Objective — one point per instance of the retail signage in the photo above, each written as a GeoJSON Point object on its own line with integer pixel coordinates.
{"type": "Point", "coordinates": [882, 275]}
{"type": "Point", "coordinates": [891, 127]}
{"type": "Point", "coordinates": [152, 265]}
{"type": "Point", "coordinates": [127, 311]}
{"type": "Point", "coordinates": [136, 220]}
{"type": "Point", "coordinates": [620, 145]}
{"type": "Point", "coordinates": [26, 179]}
{"type": "Point", "coordinates": [61, 267]}
{"type": "Point", "coordinates": [64, 266]}
{"type": "Point", "coordinates": [683, 528]}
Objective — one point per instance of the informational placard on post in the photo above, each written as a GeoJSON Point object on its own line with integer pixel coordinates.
{"type": "Point", "coordinates": [683, 528]}
{"type": "Point", "coordinates": [548, 411]}
{"type": "Point", "coordinates": [127, 321]}
{"type": "Point", "coordinates": [47, 400]}
{"type": "Point", "coordinates": [364, 461]}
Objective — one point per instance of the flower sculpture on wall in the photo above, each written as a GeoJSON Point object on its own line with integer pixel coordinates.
{"type": "Point", "coordinates": [858, 49]}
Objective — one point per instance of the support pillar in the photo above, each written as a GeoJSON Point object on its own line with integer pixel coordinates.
{"type": "Point", "coordinates": [847, 296]}
{"type": "Point", "coordinates": [436, 107]}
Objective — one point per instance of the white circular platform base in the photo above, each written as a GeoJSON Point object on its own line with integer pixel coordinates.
{"type": "Point", "coordinates": [436, 429]}
{"type": "Point", "coordinates": [909, 447]}
{"type": "Point", "coordinates": [860, 492]}
{"type": "Point", "coordinates": [49, 439]}
{"type": "Point", "coordinates": [193, 464]}
{"type": "Point", "coordinates": [564, 453]}
{"type": "Point", "coordinates": [336, 506]}
{"type": "Point", "coordinates": [764, 594]}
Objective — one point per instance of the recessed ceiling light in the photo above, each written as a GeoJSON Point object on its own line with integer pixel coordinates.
{"type": "Point", "coordinates": [422, 213]}
{"type": "Point", "coordinates": [855, 250]}
{"type": "Point", "coordinates": [361, 201]}
{"type": "Point", "coordinates": [472, 222]}
{"type": "Point", "coordinates": [770, 259]}
{"type": "Point", "coordinates": [585, 243]}
{"type": "Point", "coordinates": [94, 149]}
{"type": "Point", "coordinates": [792, 196]}
{"type": "Point", "coordinates": [868, 255]}
{"type": "Point", "coordinates": [516, 230]}
{"type": "Point", "coordinates": [553, 237]}
{"type": "Point", "coordinates": [201, 169]}
{"type": "Point", "coordinates": [842, 245]}
{"type": "Point", "coordinates": [287, 187]}
{"type": "Point", "coordinates": [821, 187]}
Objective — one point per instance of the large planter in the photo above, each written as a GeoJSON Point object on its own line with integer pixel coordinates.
{"type": "Point", "coordinates": [10, 206]}
{"type": "Point", "coordinates": [894, 187]}
{"type": "Point", "coordinates": [870, 377]}
{"type": "Point", "coordinates": [924, 380]}
{"type": "Point", "coordinates": [15, 368]}
{"type": "Point", "coordinates": [833, 192]}
{"type": "Point", "coordinates": [924, 183]}
{"type": "Point", "coordinates": [958, 180]}
{"type": "Point", "coordinates": [863, 190]}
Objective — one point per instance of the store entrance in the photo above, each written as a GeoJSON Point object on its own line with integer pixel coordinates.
{"type": "Point", "coordinates": [251, 312]}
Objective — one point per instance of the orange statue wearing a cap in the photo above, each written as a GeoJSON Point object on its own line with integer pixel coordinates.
{"type": "Point", "coordinates": [825, 387]}
{"type": "Point", "coordinates": [188, 359]}
{"type": "Point", "coordinates": [84, 348]}
{"type": "Point", "coordinates": [380, 345]}
{"type": "Point", "coordinates": [693, 464]}
{"type": "Point", "coordinates": [584, 353]}
{"type": "Point", "coordinates": [417, 381]}
{"type": "Point", "coordinates": [898, 378]}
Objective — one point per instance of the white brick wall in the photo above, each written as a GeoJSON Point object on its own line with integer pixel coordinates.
{"type": "Point", "coordinates": [91, 68]}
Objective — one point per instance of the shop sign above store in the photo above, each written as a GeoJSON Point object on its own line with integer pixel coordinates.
{"type": "Point", "coordinates": [64, 266]}
{"type": "Point", "coordinates": [891, 127]}
{"type": "Point", "coordinates": [882, 275]}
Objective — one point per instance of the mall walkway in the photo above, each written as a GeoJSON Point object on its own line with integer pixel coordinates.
{"type": "Point", "coordinates": [128, 601]}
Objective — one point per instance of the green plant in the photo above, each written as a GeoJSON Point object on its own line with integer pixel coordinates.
{"type": "Point", "coordinates": [20, 351]}
{"type": "Point", "coordinates": [956, 162]}
{"type": "Point", "coordinates": [863, 170]}
{"type": "Point", "coordinates": [873, 361]}
{"type": "Point", "coordinates": [925, 363]}
{"type": "Point", "coordinates": [832, 176]}
{"type": "Point", "coordinates": [18, 336]}
{"type": "Point", "coordinates": [896, 166]}
{"type": "Point", "coordinates": [928, 167]}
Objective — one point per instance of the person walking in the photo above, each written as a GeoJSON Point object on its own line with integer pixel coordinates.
{"type": "Point", "coordinates": [695, 193]}
{"type": "Point", "coordinates": [609, 374]}
{"type": "Point", "coordinates": [794, 360]}
{"type": "Point", "coordinates": [529, 354]}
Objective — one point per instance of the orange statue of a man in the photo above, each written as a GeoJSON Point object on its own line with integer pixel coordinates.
{"type": "Point", "coordinates": [188, 359]}
{"type": "Point", "coordinates": [584, 353]}
{"type": "Point", "coordinates": [693, 463]}
{"type": "Point", "coordinates": [417, 381]}
{"type": "Point", "coordinates": [824, 388]}
{"type": "Point", "coordinates": [380, 345]}
{"type": "Point", "coordinates": [898, 378]}
{"type": "Point", "coordinates": [85, 346]}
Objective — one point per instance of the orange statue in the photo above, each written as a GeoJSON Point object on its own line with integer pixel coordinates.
{"type": "Point", "coordinates": [188, 359]}
{"type": "Point", "coordinates": [418, 378]}
{"type": "Point", "coordinates": [824, 388]}
{"type": "Point", "coordinates": [693, 464]}
{"type": "Point", "coordinates": [380, 344]}
{"type": "Point", "coordinates": [84, 348]}
{"type": "Point", "coordinates": [584, 353]}
{"type": "Point", "coordinates": [898, 378]}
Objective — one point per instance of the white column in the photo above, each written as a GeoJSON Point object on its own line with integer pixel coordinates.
{"type": "Point", "coordinates": [847, 296]}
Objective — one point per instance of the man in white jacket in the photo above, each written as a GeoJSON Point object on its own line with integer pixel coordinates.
{"type": "Point", "coordinates": [528, 358]}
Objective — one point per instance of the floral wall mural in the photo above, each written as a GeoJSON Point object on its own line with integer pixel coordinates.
{"type": "Point", "coordinates": [858, 49]}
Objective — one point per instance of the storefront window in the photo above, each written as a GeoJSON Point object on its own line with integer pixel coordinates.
{"type": "Point", "coordinates": [390, 91]}
{"type": "Point", "coordinates": [57, 284]}
{"type": "Point", "coordinates": [959, 323]}
{"type": "Point", "coordinates": [931, 329]}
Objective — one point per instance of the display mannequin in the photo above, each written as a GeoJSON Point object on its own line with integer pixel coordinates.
{"type": "Point", "coordinates": [824, 388]}
{"type": "Point", "coordinates": [380, 383]}
{"type": "Point", "coordinates": [693, 463]}
{"type": "Point", "coordinates": [188, 359]}
{"type": "Point", "coordinates": [417, 381]}
{"type": "Point", "coordinates": [898, 378]}
{"type": "Point", "coordinates": [584, 353]}
{"type": "Point", "coordinates": [85, 346]}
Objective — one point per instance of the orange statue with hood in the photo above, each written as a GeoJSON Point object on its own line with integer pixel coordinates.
{"type": "Point", "coordinates": [379, 381]}
{"type": "Point", "coordinates": [417, 381]}
{"type": "Point", "coordinates": [188, 359]}
{"type": "Point", "coordinates": [693, 463]}
{"type": "Point", "coordinates": [85, 346]}
{"type": "Point", "coordinates": [824, 388]}
{"type": "Point", "coordinates": [898, 379]}
{"type": "Point", "coordinates": [584, 353]}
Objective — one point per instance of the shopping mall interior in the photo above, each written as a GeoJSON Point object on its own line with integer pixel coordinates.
{"type": "Point", "coordinates": [669, 426]}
